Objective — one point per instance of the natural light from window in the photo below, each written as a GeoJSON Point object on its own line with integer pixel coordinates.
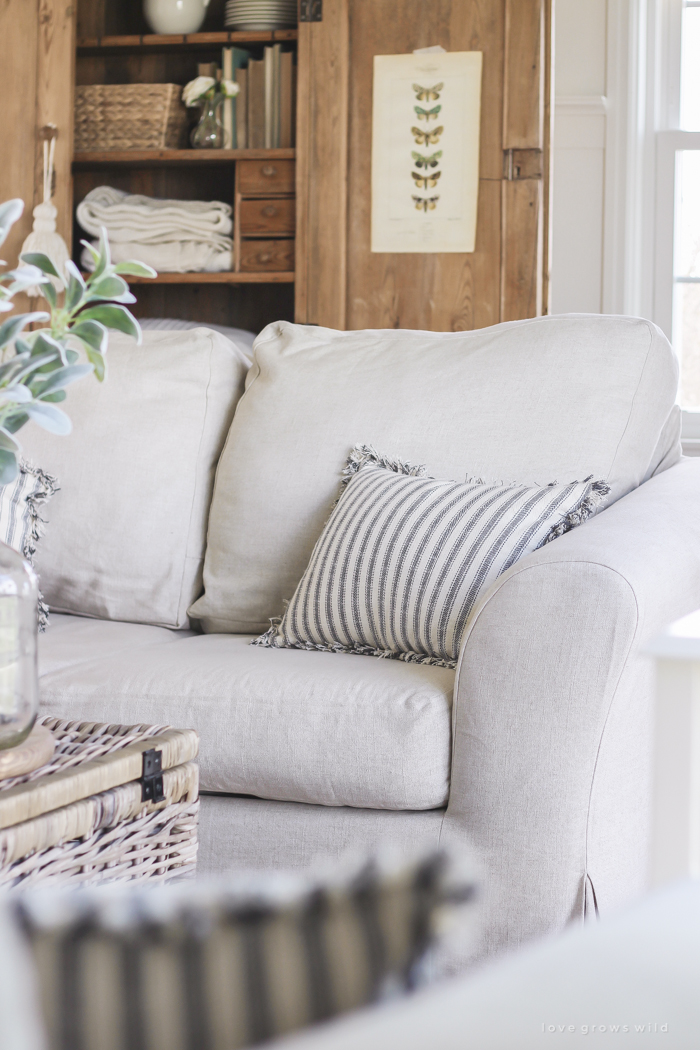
{"type": "Point", "coordinates": [686, 303]}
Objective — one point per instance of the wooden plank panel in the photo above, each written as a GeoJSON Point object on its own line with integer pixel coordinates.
{"type": "Point", "coordinates": [547, 156]}
{"type": "Point", "coordinates": [93, 158]}
{"type": "Point", "coordinates": [521, 288]}
{"type": "Point", "coordinates": [440, 292]}
{"type": "Point", "coordinates": [18, 32]}
{"type": "Point", "coordinates": [54, 103]}
{"type": "Point", "coordinates": [322, 145]}
{"type": "Point", "coordinates": [523, 105]}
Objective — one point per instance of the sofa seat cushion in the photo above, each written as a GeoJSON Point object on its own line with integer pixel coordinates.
{"type": "Point", "coordinates": [325, 728]}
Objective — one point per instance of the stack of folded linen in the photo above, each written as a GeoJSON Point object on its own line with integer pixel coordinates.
{"type": "Point", "coordinates": [169, 235]}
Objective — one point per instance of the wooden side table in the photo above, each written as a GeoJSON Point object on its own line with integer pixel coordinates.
{"type": "Point", "coordinates": [113, 803]}
{"type": "Point", "coordinates": [675, 851]}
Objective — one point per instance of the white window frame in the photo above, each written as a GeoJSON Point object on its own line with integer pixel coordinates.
{"type": "Point", "coordinates": [670, 141]}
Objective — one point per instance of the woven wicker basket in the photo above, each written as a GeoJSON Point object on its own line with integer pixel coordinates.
{"type": "Point", "coordinates": [129, 116]}
{"type": "Point", "coordinates": [82, 816]}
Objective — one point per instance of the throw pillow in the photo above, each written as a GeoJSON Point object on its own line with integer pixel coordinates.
{"type": "Point", "coordinates": [21, 525]}
{"type": "Point", "coordinates": [228, 964]}
{"type": "Point", "coordinates": [403, 558]}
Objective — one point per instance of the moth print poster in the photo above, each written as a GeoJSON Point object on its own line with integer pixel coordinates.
{"type": "Point", "coordinates": [425, 151]}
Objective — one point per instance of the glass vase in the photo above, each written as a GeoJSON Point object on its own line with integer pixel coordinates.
{"type": "Point", "coordinates": [19, 685]}
{"type": "Point", "coordinates": [209, 132]}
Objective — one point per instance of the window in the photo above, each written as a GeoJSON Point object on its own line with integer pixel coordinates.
{"type": "Point", "coordinates": [677, 284]}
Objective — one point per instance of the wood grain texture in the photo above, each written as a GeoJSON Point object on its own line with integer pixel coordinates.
{"type": "Point", "coordinates": [521, 284]}
{"type": "Point", "coordinates": [523, 102]}
{"type": "Point", "coordinates": [54, 102]}
{"type": "Point", "coordinates": [263, 215]}
{"type": "Point", "coordinates": [322, 167]}
{"type": "Point", "coordinates": [18, 86]}
{"type": "Point", "coordinates": [445, 292]}
{"type": "Point", "coordinates": [547, 156]}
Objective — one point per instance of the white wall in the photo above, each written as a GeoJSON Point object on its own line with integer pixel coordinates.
{"type": "Point", "coordinates": [578, 211]}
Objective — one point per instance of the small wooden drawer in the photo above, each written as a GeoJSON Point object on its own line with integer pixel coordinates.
{"type": "Point", "coordinates": [264, 216]}
{"type": "Point", "coordinates": [265, 176]}
{"type": "Point", "coordinates": [257, 256]}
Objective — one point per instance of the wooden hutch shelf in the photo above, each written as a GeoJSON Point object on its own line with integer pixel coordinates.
{"type": "Point", "coordinates": [94, 158]}
{"type": "Point", "coordinates": [95, 46]}
{"type": "Point", "coordinates": [226, 277]}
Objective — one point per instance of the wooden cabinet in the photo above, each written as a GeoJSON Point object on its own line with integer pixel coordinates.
{"type": "Point", "coordinates": [340, 282]}
{"type": "Point", "coordinates": [302, 229]}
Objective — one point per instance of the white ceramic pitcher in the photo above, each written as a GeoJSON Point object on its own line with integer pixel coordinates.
{"type": "Point", "coordinates": [175, 16]}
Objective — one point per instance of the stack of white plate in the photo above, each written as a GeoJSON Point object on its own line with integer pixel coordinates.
{"type": "Point", "coordinates": [251, 15]}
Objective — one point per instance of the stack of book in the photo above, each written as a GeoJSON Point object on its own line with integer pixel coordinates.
{"type": "Point", "coordinates": [262, 114]}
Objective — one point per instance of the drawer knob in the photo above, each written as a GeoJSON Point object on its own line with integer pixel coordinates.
{"type": "Point", "coordinates": [264, 257]}
{"type": "Point", "coordinates": [269, 170]}
{"type": "Point", "coordinates": [270, 210]}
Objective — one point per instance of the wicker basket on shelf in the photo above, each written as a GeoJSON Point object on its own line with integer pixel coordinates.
{"type": "Point", "coordinates": [129, 116]}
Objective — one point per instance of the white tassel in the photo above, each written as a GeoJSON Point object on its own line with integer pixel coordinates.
{"type": "Point", "coordinates": [44, 237]}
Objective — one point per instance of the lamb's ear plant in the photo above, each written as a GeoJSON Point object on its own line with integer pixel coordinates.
{"type": "Point", "coordinates": [38, 365]}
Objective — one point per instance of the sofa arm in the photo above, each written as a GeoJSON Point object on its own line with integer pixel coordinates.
{"type": "Point", "coordinates": [552, 711]}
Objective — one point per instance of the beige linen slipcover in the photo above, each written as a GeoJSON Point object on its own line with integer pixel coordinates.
{"type": "Point", "coordinates": [549, 399]}
{"type": "Point", "coordinates": [126, 532]}
{"type": "Point", "coordinates": [331, 729]}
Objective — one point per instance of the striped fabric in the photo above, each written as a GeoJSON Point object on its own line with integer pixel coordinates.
{"type": "Point", "coordinates": [403, 558]}
{"type": "Point", "coordinates": [21, 525]}
{"type": "Point", "coordinates": [231, 963]}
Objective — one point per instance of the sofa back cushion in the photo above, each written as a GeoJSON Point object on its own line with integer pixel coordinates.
{"type": "Point", "coordinates": [537, 401]}
{"type": "Point", "coordinates": [126, 531]}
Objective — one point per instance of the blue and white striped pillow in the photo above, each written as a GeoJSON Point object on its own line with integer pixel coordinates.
{"type": "Point", "coordinates": [403, 558]}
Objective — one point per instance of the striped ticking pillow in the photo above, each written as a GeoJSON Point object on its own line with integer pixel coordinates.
{"type": "Point", "coordinates": [21, 525]}
{"type": "Point", "coordinates": [403, 558]}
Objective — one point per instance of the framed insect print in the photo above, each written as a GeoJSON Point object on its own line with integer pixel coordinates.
{"type": "Point", "coordinates": [425, 151]}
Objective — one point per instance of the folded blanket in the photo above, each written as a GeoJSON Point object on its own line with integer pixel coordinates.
{"type": "Point", "coordinates": [173, 257]}
{"type": "Point", "coordinates": [147, 220]}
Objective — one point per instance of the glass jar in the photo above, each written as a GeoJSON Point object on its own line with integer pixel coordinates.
{"type": "Point", "coordinates": [19, 684]}
{"type": "Point", "coordinates": [209, 132]}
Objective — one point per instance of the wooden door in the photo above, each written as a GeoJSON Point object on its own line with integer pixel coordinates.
{"type": "Point", "coordinates": [340, 282]}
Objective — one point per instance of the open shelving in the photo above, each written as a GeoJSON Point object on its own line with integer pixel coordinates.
{"type": "Point", "coordinates": [113, 47]}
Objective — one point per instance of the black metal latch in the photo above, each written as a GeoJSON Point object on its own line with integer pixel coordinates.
{"type": "Point", "coordinates": [311, 11]}
{"type": "Point", "coordinates": [152, 776]}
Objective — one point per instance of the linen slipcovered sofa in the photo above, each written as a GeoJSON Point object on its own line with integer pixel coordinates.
{"type": "Point", "coordinates": [188, 511]}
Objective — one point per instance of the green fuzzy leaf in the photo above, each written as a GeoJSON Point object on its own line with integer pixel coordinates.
{"type": "Point", "coordinates": [113, 288]}
{"type": "Point", "coordinates": [49, 417]}
{"type": "Point", "coordinates": [91, 333]}
{"type": "Point", "coordinates": [49, 293]}
{"type": "Point", "coordinates": [59, 395]}
{"type": "Point", "coordinates": [103, 259]}
{"type": "Point", "coordinates": [59, 379]}
{"type": "Point", "coordinates": [72, 357]}
{"type": "Point", "coordinates": [76, 286]}
{"type": "Point", "coordinates": [42, 262]}
{"type": "Point", "coordinates": [15, 422]}
{"type": "Point", "coordinates": [93, 252]}
{"type": "Point", "coordinates": [44, 343]}
{"type": "Point", "coordinates": [97, 361]}
{"type": "Point", "coordinates": [10, 212]}
{"type": "Point", "coordinates": [135, 269]}
{"type": "Point", "coordinates": [11, 328]}
{"type": "Point", "coordinates": [16, 394]}
{"type": "Point", "coordinates": [113, 316]}
{"type": "Point", "coordinates": [8, 466]}
{"type": "Point", "coordinates": [7, 441]}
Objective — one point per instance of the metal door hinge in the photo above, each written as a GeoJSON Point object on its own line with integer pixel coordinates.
{"type": "Point", "coordinates": [522, 164]}
{"type": "Point", "coordinates": [152, 776]}
{"type": "Point", "coordinates": [311, 11]}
